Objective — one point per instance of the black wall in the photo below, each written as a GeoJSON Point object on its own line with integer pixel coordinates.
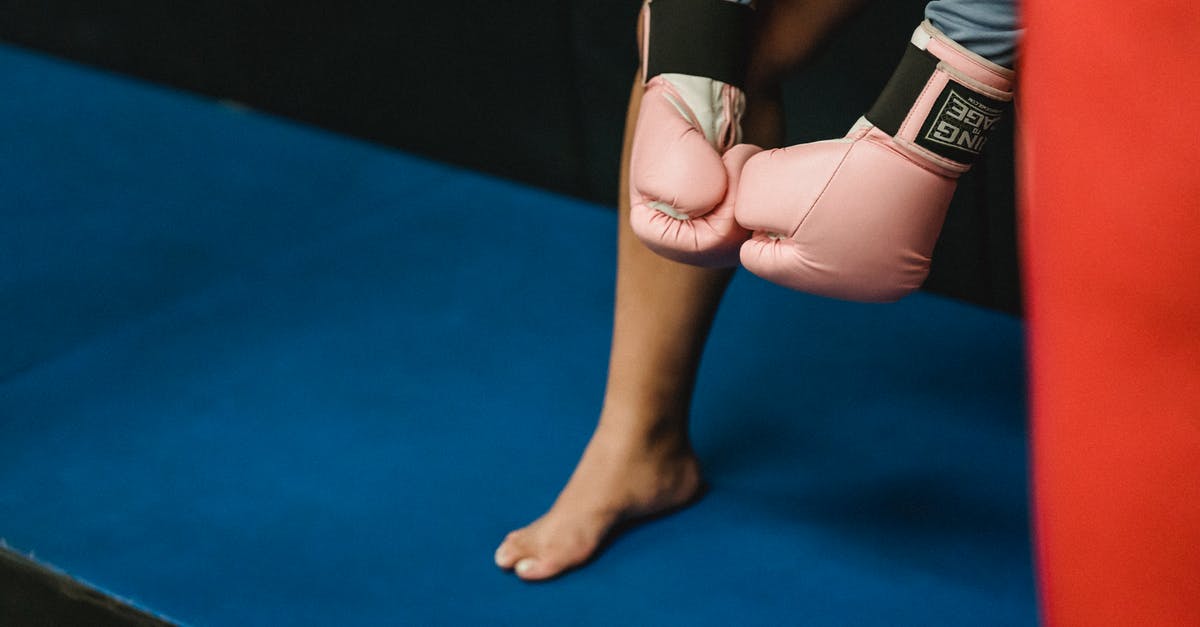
{"type": "Point", "coordinates": [533, 90]}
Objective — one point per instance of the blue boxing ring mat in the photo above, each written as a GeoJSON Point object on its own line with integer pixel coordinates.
{"type": "Point", "coordinates": [243, 382]}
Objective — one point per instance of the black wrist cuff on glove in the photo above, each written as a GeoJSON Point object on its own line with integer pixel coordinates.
{"type": "Point", "coordinates": [961, 119]}
{"type": "Point", "coordinates": [709, 38]}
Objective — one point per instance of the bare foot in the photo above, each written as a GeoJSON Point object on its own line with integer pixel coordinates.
{"type": "Point", "coordinates": [619, 479]}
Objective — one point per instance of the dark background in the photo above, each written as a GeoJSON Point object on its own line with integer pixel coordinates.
{"type": "Point", "coordinates": [532, 90]}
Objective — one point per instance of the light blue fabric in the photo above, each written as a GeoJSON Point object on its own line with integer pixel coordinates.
{"type": "Point", "coordinates": [988, 28]}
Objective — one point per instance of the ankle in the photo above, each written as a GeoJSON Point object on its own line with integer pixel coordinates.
{"type": "Point", "coordinates": [652, 432]}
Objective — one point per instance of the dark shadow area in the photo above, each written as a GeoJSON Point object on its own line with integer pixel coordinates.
{"type": "Point", "coordinates": [34, 595]}
{"type": "Point", "coordinates": [902, 437]}
{"type": "Point", "coordinates": [920, 520]}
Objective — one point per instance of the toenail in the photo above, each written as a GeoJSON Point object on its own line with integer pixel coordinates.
{"type": "Point", "coordinates": [524, 565]}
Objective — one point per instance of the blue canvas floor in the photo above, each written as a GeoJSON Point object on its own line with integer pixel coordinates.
{"type": "Point", "coordinates": [253, 373]}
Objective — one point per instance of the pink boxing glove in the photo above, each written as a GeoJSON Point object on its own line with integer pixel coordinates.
{"type": "Point", "coordinates": [857, 218]}
{"type": "Point", "coordinates": [681, 188]}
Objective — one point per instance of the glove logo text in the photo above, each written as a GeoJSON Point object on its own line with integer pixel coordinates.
{"type": "Point", "coordinates": [960, 122]}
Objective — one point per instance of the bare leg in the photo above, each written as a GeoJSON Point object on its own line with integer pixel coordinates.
{"type": "Point", "coordinates": [640, 461]}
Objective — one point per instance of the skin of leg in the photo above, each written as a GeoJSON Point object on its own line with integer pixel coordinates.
{"type": "Point", "coordinates": [640, 461]}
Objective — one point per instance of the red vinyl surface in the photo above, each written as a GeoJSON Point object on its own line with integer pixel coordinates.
{"type": "Point", "coordinates": [1110, 222]}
